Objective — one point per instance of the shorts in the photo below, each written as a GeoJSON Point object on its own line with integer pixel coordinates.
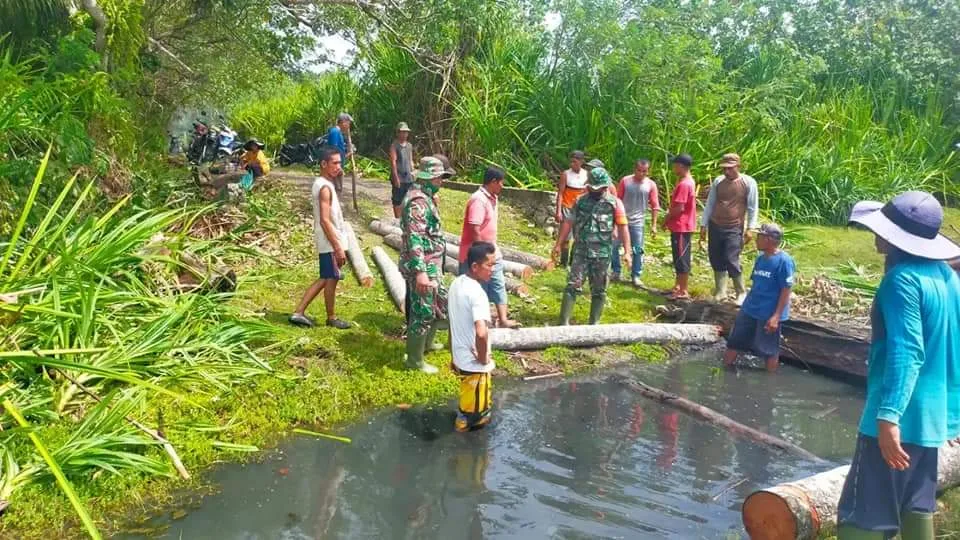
{"type": "Point", "coordinates": [496, 288]}
{"type": "Point", "coordinates": [565, 214]}
{"type": "Point", "coordinates": [475, 403]}
{"type": "Point", "coordinates": [724, 246]}
{"type": "Point", "coordinates": [748, 335]}
{"type": "Point", "coordinates": [682, 252]}
{"type": "Point", "coordinates": [398, 193]}
{"type": "Point", "coordinates": [874, 495]}
{"type": "Point", "coordinates": [328, 267]}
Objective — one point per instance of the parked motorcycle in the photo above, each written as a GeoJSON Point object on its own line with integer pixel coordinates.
{"type": "Point", "coordinates": [306, 153]}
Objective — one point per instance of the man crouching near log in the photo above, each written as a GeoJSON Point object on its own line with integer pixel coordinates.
{"type": "Point", "coordinates": [592, 220]}
{"type": "Point", "coordinates": [469, 312]}
{"type": "Point", "coordinates": [913, 376]}
{"type": "Point", "coordinates": [757, 327]}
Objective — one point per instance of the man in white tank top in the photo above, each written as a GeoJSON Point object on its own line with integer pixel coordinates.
{"type": "Point", "coordinates": [330, 240]}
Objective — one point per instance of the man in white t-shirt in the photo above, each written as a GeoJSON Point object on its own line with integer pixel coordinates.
{"type": "Point", "coordinates": [573, 184]}
{"type": "Point", "coordinates": [330, 240]}
{"type": "Point", "coordinates": [469, 314]}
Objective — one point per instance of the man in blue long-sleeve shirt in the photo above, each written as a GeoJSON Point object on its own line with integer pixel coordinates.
{"type": "Point", "coordinates": [337, 139]}
{"type": "Point", "coordinates": [913, 377]}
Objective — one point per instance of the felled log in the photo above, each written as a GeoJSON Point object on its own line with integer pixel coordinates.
{"type": "Point", "coordinates": [396, 285]}
{"type": "Point", "coordinates": [800, 509]}
{"type": "Point", "coordinates": [709, 415]}
{"type": "Point", "coordinates": [542, 337]}
{"type": "Point", "coordinates": [522, 271]}
{"type": "Point", "coordinates": [450, 266]}
{"type": "Point", "coordinates": [355, 254]}
{"type": "Point", "coordinates": [830, 345]}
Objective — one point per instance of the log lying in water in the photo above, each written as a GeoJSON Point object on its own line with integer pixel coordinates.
{"type": "Point", "coordinates": [450, 266]}
{"type": "Point", "coordinates": [799, 510]}
{"type": "Point", "coordinates": [830, 345]}
{"type": "Point", "coordinates": [542, 337]}
{"type": "Point", "coordinates": [355, 254]}
{"type": "Point", "coordinates": [709, 415]}
{"type": "Point", "coordinates": [519, 259]}
{"type": "Point", "coordinates": [396, 285]}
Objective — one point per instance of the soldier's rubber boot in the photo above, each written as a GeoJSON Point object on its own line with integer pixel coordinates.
{"type": "Point", "coordinates": [741, 290]}
{"type": "Point", "coordinates": [719, 286]}
{"type": "Point", "coordinates": [916, 526]}
{"type": "Point", "coordinates": [430, 344]}
{"type": "Point", "coordinates": [596, 307]}
{"type": "Point", "coordinates": [415, 348]}
{"type": "Point", "coordinates": [566, 309]}
{"type": "Point", "coordinates": [848, 532]}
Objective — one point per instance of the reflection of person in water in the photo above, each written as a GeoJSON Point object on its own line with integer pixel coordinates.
{"type": "Point", "coordinates": [330, 479]}
{"type": "Point", "coordinates": [751, 402]}
{"type": "Point", "coordinates": [668, 420]}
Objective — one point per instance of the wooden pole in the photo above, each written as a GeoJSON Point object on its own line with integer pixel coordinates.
{"type": "Point", "coordinates": [799, 510]}
{"type": "Point", "coordinates": [353, 170]}
{"type": "Point", "coordinates": [355, 254]}
{"type": "Point", "coordinates": [534, 338]}
{"type": "Point", "coordinates": [396, 285]}
{"type": "Point", "coordinates": [709, 415]}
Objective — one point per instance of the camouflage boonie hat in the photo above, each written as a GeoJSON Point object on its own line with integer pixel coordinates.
{"type": "Point", "coordinates": [599, 179]}
{"type": "Point", "coordinates": [430, 168]}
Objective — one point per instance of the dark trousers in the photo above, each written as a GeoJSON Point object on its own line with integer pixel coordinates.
{"type": "Point", "coordinates": [724, 245]}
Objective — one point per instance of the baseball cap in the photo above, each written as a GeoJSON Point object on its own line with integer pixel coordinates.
{"type": "Point", "coordinates": [599, 179]}
{"type": "Point", "coordinates": [402, 126]}
{"type": "Point", "coordinates": [595, 163]}
{"type": "Point", "coordinates": [729, 160]}
{"type": "Point", "coordinates": [772, 231]}
{"type": "Point", "coordinates": [577, 154]}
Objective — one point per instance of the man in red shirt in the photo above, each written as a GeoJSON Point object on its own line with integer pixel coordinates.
{"type": "Point", "coordinates": [480, 225]}
{"type": "Point", "coordinates": [682, 222]}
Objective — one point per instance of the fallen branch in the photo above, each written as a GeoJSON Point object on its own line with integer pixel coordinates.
{"type": "Point", "coordinates": [355, 254]}
{"type": "Point", "coordinates": [709, 415]}
{"type": "Point", "coordinates": [544, 376]}
{"type": "Point", "coordinates": [167, 447]}
{"type": "Point", "coordinates": [396, 285]}
{"type": "Point", "coordinates": [601, 334]}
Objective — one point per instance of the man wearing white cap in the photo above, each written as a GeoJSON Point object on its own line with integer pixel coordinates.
{"type": "Point", "coordinates": [913, 375]}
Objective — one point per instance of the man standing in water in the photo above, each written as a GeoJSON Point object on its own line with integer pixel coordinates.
{"type": "Point", "coordinates": [682, 221]}
{"type": "Point", "coordinates": [573, 184]}
{"type": "Point", "coordinates": [757, 327]}
{"type": "Point", "coordinates": [421, 262]}
{"type": "Point", "coordinates": [337, 137]}
{"type": "Point", "coordinates": [330, 241]}
{"type": "Point", "coordinates": [729, 217]}
{"type": "Point", "coordinates": [401, 167]}
{"type": "Point", "coordinates": [592, 220]}
{"type": "Point", "coordinates": [469, 340]}
{"type": "Point", "coordinates": [913, 376]}
{"type": "Point", "coordinates": [480, 224]}
{"type": "Point", "coordinates": [637, 191]}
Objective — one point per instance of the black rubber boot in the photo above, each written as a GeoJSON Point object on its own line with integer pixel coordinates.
{"type": "Point", "coordinates": [566, 309]}
{"type": "Point", "coordinates": [596, 307]}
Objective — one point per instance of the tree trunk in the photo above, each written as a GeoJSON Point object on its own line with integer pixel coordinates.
{"type": "Point", "coordinates": [799, 510]}
{"type": "Point", "coordinates": [830, 345]}
{"type": "Point", "coordinates": [602, 334]}
{"type": "Point", "coordinates": [355, 254]}
{"type": "Point", "coordinates": [519, 270]}
{"type": "Point", "coordinates": [100, 23]}
{"type": "Point", "coordinates": [396, 285]}
{"type": "Point", "coordinates": [709, 415]}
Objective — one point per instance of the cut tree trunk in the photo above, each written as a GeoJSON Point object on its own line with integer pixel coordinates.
{"type": "Point", "coordinates": [450, 266]}
{"type": "Point", "coordinates": [355, 254]}
{"type": "Point", "coordinates": [396, 285]}
{"type": "Point", "coordinates": [709, 415]}
{"type": "Point", "coordinates": [519, 270]}
{"type": "Point", "coordinates": [799, 510]}
{"type": "Point", "coordinates": [542, 337]}
{"type": "Point", "coordinates": [824, 344]}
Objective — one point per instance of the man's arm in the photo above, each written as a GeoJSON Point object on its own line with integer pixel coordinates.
{"type": "Point", "coordinates": [414, 223]}
{"type": "Point", "coordinates": [653, 200]}
{"type": "Point", "coordinates": [326, 223]}
{"type": "Point", "coordinates": [562, 238]}
{"type": "Point", "coordinates": [774, 321]}
{"type": "Point", "coordinates": [561, 186]}
{"type": "Point", "coordinates": [708, 209]}
{"type": "Point", "coordinates": [483, 337]}
{"type": "Point", "coordinates": [900, 307]}
{"type": "Point", "coordinates": [394, 175]}
{"type": "Point", "coordinates": [753, 204]}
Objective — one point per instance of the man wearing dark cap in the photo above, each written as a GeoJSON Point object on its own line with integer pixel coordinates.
{"type": "Point", "coordinates": [401, 166]}
{"type": "Point", "coordinates": [913, 375]}
{"type": "Point", "coordinates": [729, 217]}
{"type": "Point", "coordinates": [757, 327]}
{"type": "Point", "coordinates": [337, 137]}
{"type": "Point", "coordinates": [681, 221]}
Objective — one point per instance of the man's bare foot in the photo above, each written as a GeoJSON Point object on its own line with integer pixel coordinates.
{"type": "Point", "coordinates": [511, 324]}
{"type": "Point", "coordinates": [679, 295]}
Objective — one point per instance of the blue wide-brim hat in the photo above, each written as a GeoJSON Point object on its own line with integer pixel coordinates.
{"type": "Point", "coordinates": [910, 222]}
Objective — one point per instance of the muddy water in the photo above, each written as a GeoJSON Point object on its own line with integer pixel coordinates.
{"type": "Point", "coordinates": [578, 458]}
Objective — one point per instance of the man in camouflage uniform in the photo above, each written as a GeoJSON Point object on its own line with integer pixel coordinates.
{"type": "Point", "coordinates": [593, 220]}
{"type": "Point", "coordinates": [421, 261]}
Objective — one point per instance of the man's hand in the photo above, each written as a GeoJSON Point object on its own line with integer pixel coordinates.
{"type": "Point", "coordinates": [888, 436]}
{"type": "Point", "coordinates": [653, 230]}
{"type": "Point", "coordinates": [423, 283]}
{"type": "Point", "coordinates": [340, 256]}
{"type": "Point", "coordinates": [628, 258]}
{"type": "Point", "coordinates": [558, 217]}
{"type": "Point", "coordinates": [747, 236]}
{"type": "Point", "coordinates": [703, 238]}
{"type": "Point", "coordinates": [772, 324]}
{"type": "Point", "coordinates": [395, 181]}
{"type": "Point", "coordinates": [555, 254]}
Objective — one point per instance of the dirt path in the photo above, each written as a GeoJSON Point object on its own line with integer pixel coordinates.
{"type": "Point", "coordinates": [367, 188]}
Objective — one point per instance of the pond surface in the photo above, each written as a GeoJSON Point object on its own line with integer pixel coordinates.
{"type": "Point", "coordinates": [574, 458]}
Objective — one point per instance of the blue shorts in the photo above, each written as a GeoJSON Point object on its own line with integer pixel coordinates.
{"type": "Point", "coordinates": [328, 267]}
{"type": "Point", "coordinates": [748, 335]}
{"type": "Point", "coordinates": [496, 288]}
{"type": "Point", "coordinates": [874, 495]}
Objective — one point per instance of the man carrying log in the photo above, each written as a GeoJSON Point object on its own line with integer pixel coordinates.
{"type": "Point", "coordinates": [913, 378]}
{"type": "Point", "coordinates": [330, 240]}
{"type": "Point", "coordinates": [757, 327]}
{"type": "Point", "coordinates": [592, 220]}
{"type": "Point", "coordinates": [469, 339]}
{"type": "Point", "coordinates": [729, 217]}
{"type": "Point", "coordinates": [480, 224]}
{"type": "Point", "coordinates": [421, 262]}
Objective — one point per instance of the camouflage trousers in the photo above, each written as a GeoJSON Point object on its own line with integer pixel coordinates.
{"type": "Point", "coordinates": [424, 310]}
{"type": "Point", "coordinates": [593, 269]}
